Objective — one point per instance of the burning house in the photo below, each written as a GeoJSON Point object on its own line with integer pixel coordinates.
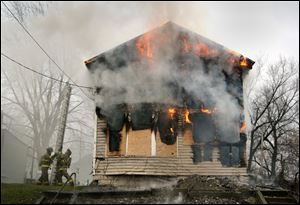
{"type": "Point", "coordinates": [169, 103]}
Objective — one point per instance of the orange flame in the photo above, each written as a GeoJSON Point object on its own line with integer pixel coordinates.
{"type": "Point", "coordinates": [186, 115]}
{"type": "Point", "coordinates": [200, 49]}
{"type": "Point", "coordinates": [172, 111]}
{"type": "Point", "coordinates": [205, 110]}
{"type": "Point", "coordinates": [243, 62]}
{"type": "Point", "coordinates": [144, 45]}
{"type": "Point", "coordinates": [243, 127]}
{"type": "Point", "coordinates": [208, 111]}
{"type": "Point", "coordinates": [203, 50]}
{"type": "Point", "coordinates": [237, 59]}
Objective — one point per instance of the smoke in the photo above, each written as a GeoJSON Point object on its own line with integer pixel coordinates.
{"type": "Point", "coordinates": [147, 183]}
{"type": "Point", "coordinates": [170, 199]}
{"type": "Point", "coordinates": [129, 76]}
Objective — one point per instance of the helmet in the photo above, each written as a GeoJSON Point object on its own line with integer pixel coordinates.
{"type": "Point", "coordinates": [68, 152]}
{"type": "Point", "coordinates": [49, 149]}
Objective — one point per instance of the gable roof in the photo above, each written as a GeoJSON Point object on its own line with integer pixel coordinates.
{"type": "Point", "coordinates": [163, 40]}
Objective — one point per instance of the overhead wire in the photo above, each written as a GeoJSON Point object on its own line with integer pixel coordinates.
{"type": "Point", "coordinates": [46, 76]}
{"type": "Point", "coordinates": [44, 51]}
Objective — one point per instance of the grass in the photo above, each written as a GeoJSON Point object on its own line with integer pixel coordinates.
{"type": "Point", "coordinates": [25, 193]}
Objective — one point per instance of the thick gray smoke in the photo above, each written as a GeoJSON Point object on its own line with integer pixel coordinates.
{"type": "Point", "coordinates": [147, 80]}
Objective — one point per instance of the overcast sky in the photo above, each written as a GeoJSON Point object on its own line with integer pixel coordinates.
{"type": "Point", "coordinates": [255, 28]}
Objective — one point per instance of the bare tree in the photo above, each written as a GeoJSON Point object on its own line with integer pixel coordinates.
{"type": "Point", "coordinates": [274, 114]}
{"type": "Point", "coordinates": [39, 100]}
{"type": "Point", "coordinates": [24, 9]}
{"type": "Point", "coordinates": [289, 157]}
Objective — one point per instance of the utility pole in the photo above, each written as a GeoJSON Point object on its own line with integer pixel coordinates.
{"type": "Point", "coordinates": [32, 162]}
{"type": "Point", "coordinates": [2, 137]}
{"type": "Point", "coordinates": [61, 126]}
{"type": "Point", "coordinates": [80, 146]}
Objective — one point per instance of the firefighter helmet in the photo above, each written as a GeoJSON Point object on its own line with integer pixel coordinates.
{"type": "Point", "coordinates": [49, 149]}
{"type": "Point", "coordinates": [68, 152]}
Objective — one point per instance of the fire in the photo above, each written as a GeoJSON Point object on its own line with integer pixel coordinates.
{"type": "Point", "coordinates": [186, 115]}
{"type": "Point", "coordinates": [144, 45]}
{"type": "Point", "coordinates": [237, 59]}
{"type": "Point", "coordinates": [243, 62]}
{"type": "Point", "coordinates": [243, 127]}
{"type": "Point", "coordinates": [171, 112]}
{"type": "Point", "coordinates": [187, 47]}
{"type": "Point", "coordinates": [203, 50]}
{"type": "Point", "coordinates": [205, 110]}
{"type": "Point", "coordinates": [208, 111]}
{"type": "Point", "coordinates": [200, 49]}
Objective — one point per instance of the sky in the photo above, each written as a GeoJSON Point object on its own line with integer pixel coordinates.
{"type": "Point", "coordinates": [255, 28]}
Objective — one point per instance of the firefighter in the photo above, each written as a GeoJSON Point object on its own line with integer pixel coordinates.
{"type": "Point", "coordinates": [63, 163]}
{"type": "Point", "coordinates": [45, 163]}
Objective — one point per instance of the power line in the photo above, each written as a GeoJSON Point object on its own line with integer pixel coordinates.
{"type": "Point", "coordinates": [42, 47]}
{"type": "Point", "coordinates": [47, 76]}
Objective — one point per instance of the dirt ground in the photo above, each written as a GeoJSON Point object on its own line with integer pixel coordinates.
{"type": "Point", "coordinates": [192, 190]}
